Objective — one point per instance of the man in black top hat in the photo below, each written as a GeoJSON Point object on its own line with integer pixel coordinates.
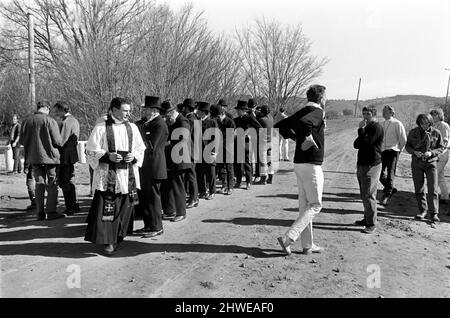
{"type": "Point", "coordinates": [222, 102]}
{"type": "Point", "coordinates": [155, 133]}
{"type": "Point", "coordinates": [245, 122]}
{"type": "Point", "coordinates": [190, 176]}
{"type": "Point", "coordinates": [226, 150]}
{"type": "Point", "coordinates": [178, 161]}
{"type": "Point", "coordinates": [206, 168]}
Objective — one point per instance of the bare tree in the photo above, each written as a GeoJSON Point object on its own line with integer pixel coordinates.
{"type": "Point", "coordinates": [277, 61]}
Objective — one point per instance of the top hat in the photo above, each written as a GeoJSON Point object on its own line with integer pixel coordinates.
{"type": "Point", "coordinates": [251, 103]}
{"type": "Point", "coordinates": [189, 102]}
{"type": "Point", "coordinates": [222, 102]}
{"type": "Point", "coordinates": [241, 104]}
{"type": "Point", "coordinates": [203, 106]}
{"type": "Point", "coordinates": [167, 106]}
{"type": "Point", "coordinates": [152, 102]}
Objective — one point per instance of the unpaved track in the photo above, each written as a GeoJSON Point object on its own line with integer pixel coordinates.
{"type": "Point", "coordinates": [227, 247]}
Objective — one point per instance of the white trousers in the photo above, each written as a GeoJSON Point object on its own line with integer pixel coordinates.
{"type": "Point", "coordinates": [442, 162]}
{"type": "Point", "coordinates": [284, 148]}
{"type": "Point", "coordinates": [310, 187]}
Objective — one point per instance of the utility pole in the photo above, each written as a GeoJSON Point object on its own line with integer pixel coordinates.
{"type": "Point", "coordinates": [357, 97]}
{"type": "Point", "coordinates": [31, 89]}
{"type": "Point", "coordinates": [448, 84]}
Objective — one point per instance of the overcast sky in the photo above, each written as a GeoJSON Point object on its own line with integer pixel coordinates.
{"type": "Point", "coordinates": [395, 46]}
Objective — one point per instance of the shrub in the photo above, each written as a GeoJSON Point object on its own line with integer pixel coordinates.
{"type": "Point", "coordinates": [347, 112]}
{"type": "Point", "coordinates": [332, 114]}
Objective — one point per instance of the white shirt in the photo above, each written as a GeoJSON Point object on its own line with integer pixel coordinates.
{"type": "Point", "coordinates": [97, 146]}
{"type": "Point", "coordinates": [394, 135]}
{"type": "Point", "coordinates": [444, 129]}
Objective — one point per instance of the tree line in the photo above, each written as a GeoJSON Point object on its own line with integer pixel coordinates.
{"type": "Point", "coordinates": [89, 51]}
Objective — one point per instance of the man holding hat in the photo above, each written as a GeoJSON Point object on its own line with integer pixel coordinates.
{"type": "Point", "coordinates": [245, 121]}
{"type": "Point", "coordinates": [206, 168]}
{"type": "Point", "coordinates": [155, 133]}
{"type": "Point", "coordinates": [173, 189]}
{"type": "Point", "coordinates": [393, 143]}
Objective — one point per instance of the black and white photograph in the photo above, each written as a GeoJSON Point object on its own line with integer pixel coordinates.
{"type": "Point", "coordinates": [224, 154]}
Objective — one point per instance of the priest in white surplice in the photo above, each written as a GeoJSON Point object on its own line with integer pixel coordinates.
{"type": "Point", "coordinates": [115, 151]}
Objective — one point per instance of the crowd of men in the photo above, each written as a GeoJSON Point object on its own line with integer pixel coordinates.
{"type": "Point", "coordinates": [164, 163]}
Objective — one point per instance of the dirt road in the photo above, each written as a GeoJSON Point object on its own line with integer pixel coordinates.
{"type": "Point", "coordinates": [228, 248]}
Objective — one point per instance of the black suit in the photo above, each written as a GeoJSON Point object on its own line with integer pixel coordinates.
{"type": "Point", "coordinates": [206, 172]}
{"type": "Point", "coordinates": [226, 166]}
{"type": "Point", "coordinates": [245, 122]}
{"type": "Point", "coordinates": [173, 190]}
{"type": "Point", "coordinates": [190, 176]}
{"type": "Point", "coordinates": [153, 171]}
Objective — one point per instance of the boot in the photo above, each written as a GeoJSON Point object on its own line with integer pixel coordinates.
{"type": "Point", "coordinates": [262, 181]}
{"type": "Point", "coordinates": [269, 180]}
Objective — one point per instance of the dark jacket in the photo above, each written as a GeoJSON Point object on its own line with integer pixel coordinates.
{"type": "Point", "coordinates": [41, 139]}
{"type": "Point", "coordinates": [15, 133]}
{"type": "Point", "coordinates": [368, 143]}
{"type": "Point", "coordinates": [70, 132]}
{"type": "Point", "coordinates": [423, 141]}
{"type": "Point", "coordinates": [307, 121]}
{"type": "Point", "coordinates": [180, 122]}
{"type": "Point", "coordinates": [155, 134]}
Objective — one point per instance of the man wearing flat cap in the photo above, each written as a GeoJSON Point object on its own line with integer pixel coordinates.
{"type": "Point", "coordinates": [206, 168]}
{"type": "Point", "coordinates": [173, 189]}
{"type": "Point", "coordinates": [155, 133]}
{"type": "Point", "coordinates": [245, 122]}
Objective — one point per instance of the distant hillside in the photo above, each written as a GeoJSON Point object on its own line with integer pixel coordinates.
{"type": "Point", "coordinates": [407, 107]}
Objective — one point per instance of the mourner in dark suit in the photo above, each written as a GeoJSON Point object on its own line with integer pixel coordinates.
{"type": "Point", "coordinates": [173, 189]}
{"type": "Point", "coordinates": [190, 176]}
{"type": "Point", "coordinates": [225, 153]}
{"type": "Point", "coordinates": [155, 133]}
{"type": "Point", "coordinates": [254, 113]}
{"type": "Point", "coordinates": [245, 121]}
{"type": "Point", "coordinates": [206, 168]}
{"type": "Point", "coordinates": [70, 132]}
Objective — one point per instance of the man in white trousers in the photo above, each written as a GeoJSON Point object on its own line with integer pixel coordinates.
{"type": "Point", "coordinates": [306, 127]}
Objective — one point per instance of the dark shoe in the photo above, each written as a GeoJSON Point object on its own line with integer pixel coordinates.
{"type": "Point", "coordinates": [229, 192]}
{"type": "Point", "coordinates": [270, 179]}
{"type": "Point", "coordinates": [202, 195]}
{"type": "Point", "coordinates": [55, 215]}
{"type": "Point", "coordinates": [434, 218]}
{"type": "Point", "coordinates": [237, 185]}
{"type": "Point", "coordinates": [168, 216]}
{"type": "Point", "coordinates": [210, 197]}
{"type": "Point", "coordinates": [192, 204]}
{"type": "Point", "coordinates": [153, 234]}
{"type": "Point", "coordinates": [421, 216]}
{"type": "Point", "coordinates": [262, 181]}
{"type": "Point", "coordinates": [41, 217]}
{"type": "Point", "coordinates": [369, 229]}
{"type": "Point", "coordinates": [32, 206]}
{"type": "Point", "coordinates": [394, 191]}
{"type": "Point", "coordinates": [179, 218]}
{"type": "Point", "coordinates": [109, 249]}
{"type": "Point", "coordinates": [361, 222]}
{"type": "Point", "coordinates": [144, 230]}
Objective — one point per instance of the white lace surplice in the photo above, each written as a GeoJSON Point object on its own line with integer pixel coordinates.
{"type": "Point", "coordinates": [97, 146]}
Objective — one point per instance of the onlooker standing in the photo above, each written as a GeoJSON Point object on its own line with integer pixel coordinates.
{"type": "Point", "coordinates": [155, 133]}
{"type": "Point", "coordinates": [444, 129]}
{"type": "Point", "coordinates": [306, 127]}
{"type": "Point", "coordinates": [41, 140]}
{"type": "Point", "coordinates": [225, 167]}
{"type": "Point", "coordinates": [393, 143]}
{"type": "Point", "coordinates": [264, 146]}
{"type": "Point", "coordinates": [284, 143]}
{"type": "Point", "coordinates": [14, 141]}
{"type": "Point", "coordinates": [368, 143]}
{"type": "Point", "coordinates": [70, 132]}
{"type": "Point", "coordinates": [425, 145]}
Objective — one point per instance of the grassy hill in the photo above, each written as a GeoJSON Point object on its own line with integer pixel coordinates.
{"type": "Point", "coordinates": [407, 107]}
